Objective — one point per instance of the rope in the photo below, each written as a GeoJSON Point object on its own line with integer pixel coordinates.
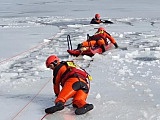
{"type": "Point", "coordinates": [1, 62]}
{"type": "Point", "coordinates": [5, 60]}
{"type": "Point", "coordinates": [10, 58]}
{"type": "Point", "coordinates": [49, 114]}
{"type": "Point", "coordinates": [30, 100]}
{"type": "Point", "coordinates": [44, 116]}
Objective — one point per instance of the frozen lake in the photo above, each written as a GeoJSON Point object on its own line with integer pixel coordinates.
{"type": "Point", "coordinates": [125, 83]}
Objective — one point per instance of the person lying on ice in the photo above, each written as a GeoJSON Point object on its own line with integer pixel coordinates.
{"type": "Point", "coordinates": [98, 39]}
{"type": "Point", "coordinates": [74, 82]}
{"type": "Point", "coordinates": [97, 20]}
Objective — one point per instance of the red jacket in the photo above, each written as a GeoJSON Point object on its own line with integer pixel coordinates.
{"type": "Point", "coordinates": [62, 72]}
{"type": "Point", "coordinates": [103, 35]}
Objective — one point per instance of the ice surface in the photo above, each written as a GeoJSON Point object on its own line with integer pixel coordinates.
{"type": "Point", "coordinates": [125, 83]}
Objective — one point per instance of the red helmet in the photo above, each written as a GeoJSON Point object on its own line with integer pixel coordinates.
{"type": "Point", "coordinates": [101, 29]}
{"type": "Point", "coordinates": [51, 59]}
{"type": "Point", "coordinates": [97, 16]}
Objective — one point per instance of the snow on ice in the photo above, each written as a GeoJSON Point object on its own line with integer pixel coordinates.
{"type": "Point", "coordinates": [125, 83]}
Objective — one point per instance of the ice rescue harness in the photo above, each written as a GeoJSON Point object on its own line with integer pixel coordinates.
{"type": "Point", "coordinates": [101, 36]}
{"type": "Point", "coordinates": [73, 70]}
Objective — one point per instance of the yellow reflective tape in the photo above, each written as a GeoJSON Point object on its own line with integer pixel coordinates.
{"type": "Point", "coordinates": [89, 77]}
{"type": "Point", "coordinates": [71, 64]}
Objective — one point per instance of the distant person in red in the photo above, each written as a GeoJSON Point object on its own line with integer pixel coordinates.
{"type": "Point", "coordinates": [74, 83]}
{"type": "Point", "coordinates": [97, 20]}
{"type": "Point", "coordinates": [100, 39]}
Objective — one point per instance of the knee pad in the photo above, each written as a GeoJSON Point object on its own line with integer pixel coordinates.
{"type": "Point", "coordinates": [79, 85]}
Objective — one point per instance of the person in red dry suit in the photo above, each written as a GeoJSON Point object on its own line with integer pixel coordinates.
{"type": "Point", "coordinates": [98, 20]}
{"type": "Point", "coordinates": [74, 83]}
{"type": "Point", "coordinates": [99, 39]}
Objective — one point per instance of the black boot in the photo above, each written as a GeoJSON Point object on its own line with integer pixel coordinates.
{"type": "Point", "coordinates": [74, 105]}
{"type": "Point", "coordinates": [59, 106]}
{"type": "Point", "coordinates": [116, 45]}
{"type": "Point", "coordinates": [84, 109]}
{"type": "Point", "coordinates": [103, 48]}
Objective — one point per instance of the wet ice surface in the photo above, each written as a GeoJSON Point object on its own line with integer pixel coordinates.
{"type": "Point", "coordinates": [125, 82]}
{"type": "Point", "coordinates": [22, 31]}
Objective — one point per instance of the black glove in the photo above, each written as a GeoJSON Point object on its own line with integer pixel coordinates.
{"type": "Point", "coordinates": [107, 21]}
{"type": "Point", "coordinates": [79, 46]}
{"type": "Point", "coordinates": [116, 45]}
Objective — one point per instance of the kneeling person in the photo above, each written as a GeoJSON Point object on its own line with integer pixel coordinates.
{"type": "Point", "coordinates": [74, 82]}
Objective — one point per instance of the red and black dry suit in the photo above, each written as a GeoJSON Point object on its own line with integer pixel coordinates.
{"type": "Point", "coordinates": [96, 21]}
{"type": "Point", "coordinates": [100, 39]}
{"type": "Point", "coordinates": [74, 84]}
